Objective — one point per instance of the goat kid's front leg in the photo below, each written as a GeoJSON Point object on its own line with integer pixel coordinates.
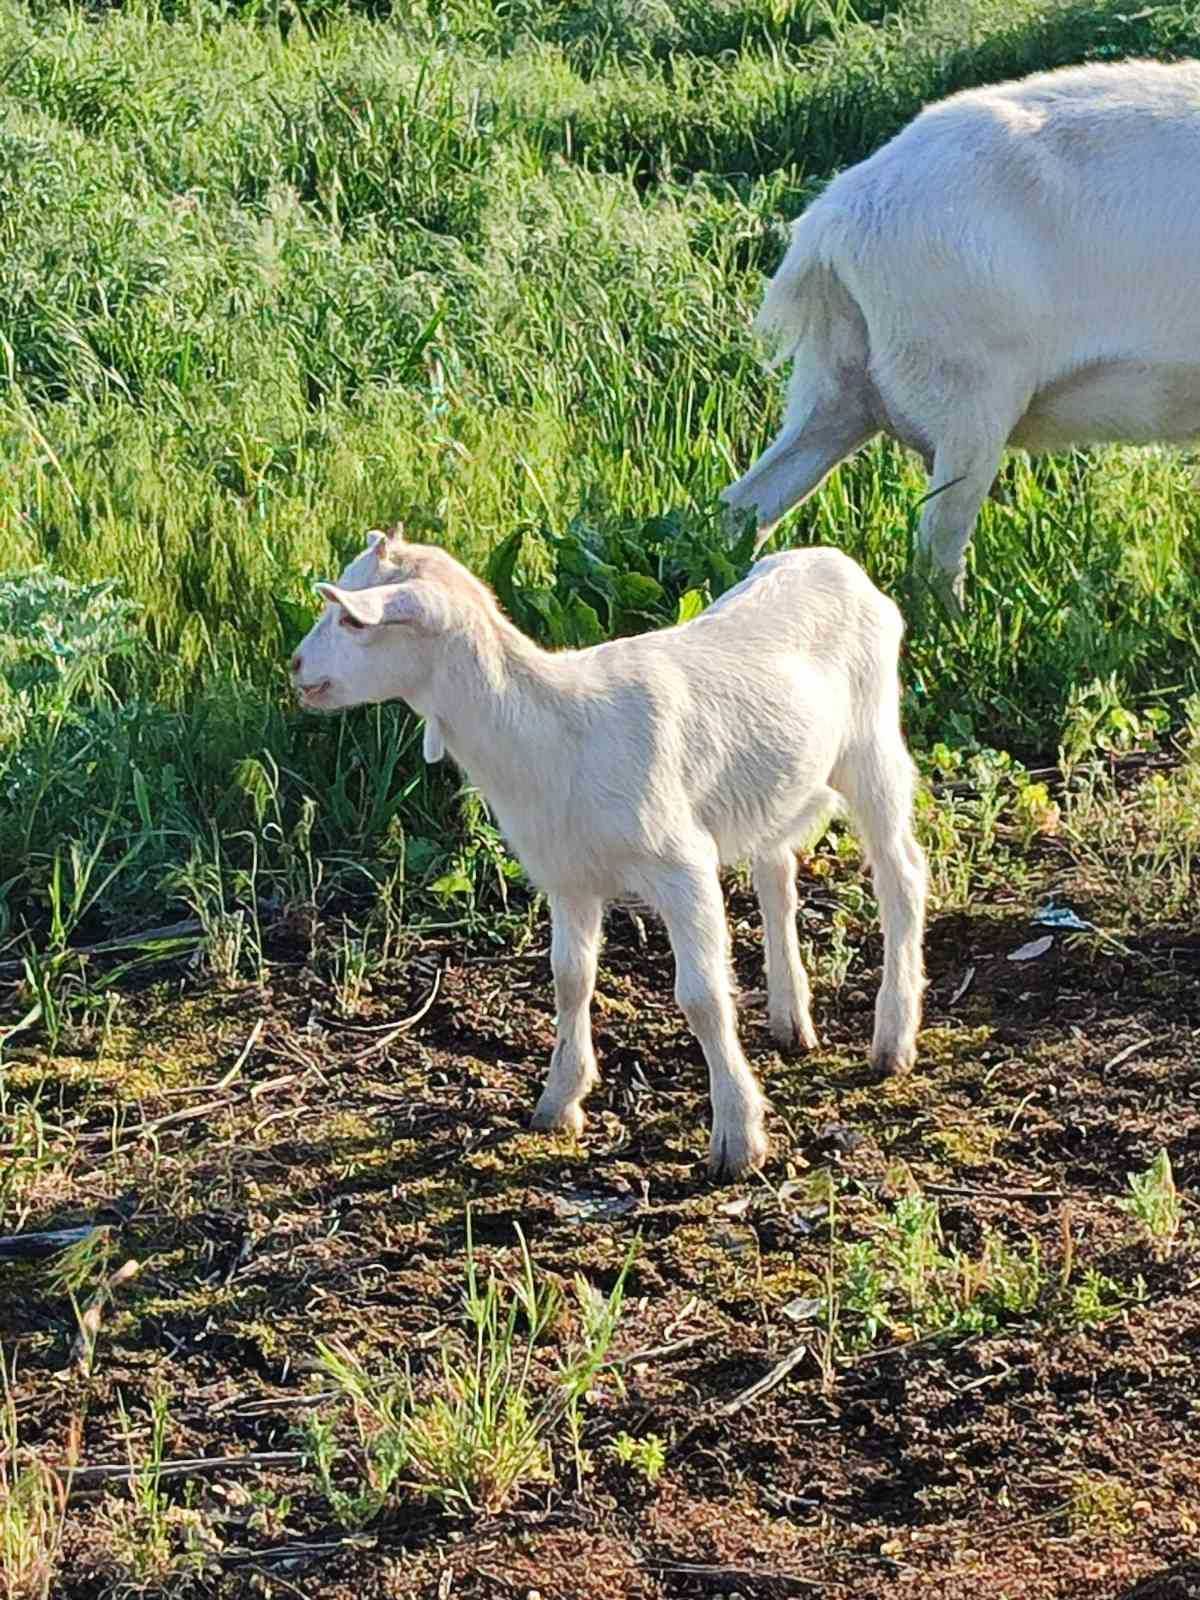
{"type": "Point", "coordinates": [574, 953]}
{"type": "Point", "coordinates": [690, 903]}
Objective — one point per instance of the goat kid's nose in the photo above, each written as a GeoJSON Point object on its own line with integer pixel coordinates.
{"type": "Point", "coordinates": [296, 662]}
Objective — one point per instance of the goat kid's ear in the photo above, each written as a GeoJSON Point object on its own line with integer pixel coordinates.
{"type": "Point", "coordinates": [382, 542]}
{"type": "Point", "coordinates": [363, 605]}
{"type": "Point", "coordinates": [403, 604]}
{"type": "Point", "coordinates": [414, 605]}
{"type": "Point", "coordinates": [433, 746]}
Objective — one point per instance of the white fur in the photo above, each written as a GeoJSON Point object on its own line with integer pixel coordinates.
{"type": "Point", "coordinates": [637, 767]}
{"type": "Point", "coordinates": [1019, 266]}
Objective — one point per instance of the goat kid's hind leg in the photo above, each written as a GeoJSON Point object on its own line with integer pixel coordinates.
{"type": "Point", "coordinates": [692, 907]}
{"type": "Point", "coordinates": [789, 997]}
{"type": "Point", "coordinates": [900, 876]}
{"type": "Point", "coordinates": [879, 788]}
{"type": "Point", "coordinates": [574, 953]}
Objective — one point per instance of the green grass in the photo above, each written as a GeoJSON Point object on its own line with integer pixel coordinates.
{"type": "Point", "coordinates": [32, 1508]}
{"type": "Point", "coordinates": [273, 276]}
{"type": "Point", "coordinates": [488, 1426]}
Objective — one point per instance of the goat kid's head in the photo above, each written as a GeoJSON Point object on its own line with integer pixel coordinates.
{"type": "Point", "coordinates": [376, 638]}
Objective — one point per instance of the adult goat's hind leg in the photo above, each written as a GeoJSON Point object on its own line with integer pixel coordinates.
{"type": "Point", "coordinates": [969, 450]}
{"type": "Point", "coordinates": [688, 898]}
{"type": "Point", "coordinates": [793, 466]}
{"type": "Point", "coordinates": [878, 783]}
{"type": "Point", "coordinates": [574, 953]}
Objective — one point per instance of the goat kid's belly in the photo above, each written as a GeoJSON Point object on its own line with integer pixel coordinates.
{"type": "Point", "coordinates": [739, 834]}
{"type": "Point", "coordinates": [613, 863]}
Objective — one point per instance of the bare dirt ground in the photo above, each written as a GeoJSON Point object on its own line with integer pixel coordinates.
{"type": "Point", "coordinates": [320, 1191]}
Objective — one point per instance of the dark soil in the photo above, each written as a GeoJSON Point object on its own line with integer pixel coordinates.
{"type": "Point", "coordinates": [320, 1192]}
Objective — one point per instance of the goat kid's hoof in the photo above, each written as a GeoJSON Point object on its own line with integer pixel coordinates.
{"type": "Point", "coordinates": [733, 1154]}
{"type": "Point", "coordinates": [892, 1063]}
{"type": "Point", "coordinates": [794, 1033]}
{"type": "Point", "coordinates": [554, 1118]}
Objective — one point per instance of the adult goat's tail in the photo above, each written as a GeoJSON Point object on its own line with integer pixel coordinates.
{"type": "Point", "coordinates": [806, 296]}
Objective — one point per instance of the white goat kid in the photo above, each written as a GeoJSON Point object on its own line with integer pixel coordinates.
{"type": "Point", "coordinates": [1017, 267]}
{"type": "Point", "coordinates": [637, 767]}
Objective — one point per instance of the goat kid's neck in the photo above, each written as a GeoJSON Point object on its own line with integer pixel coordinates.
{"type": "Point", "coordinates": [494, 698]}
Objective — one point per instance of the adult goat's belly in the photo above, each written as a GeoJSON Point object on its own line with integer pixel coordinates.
{"type": "Point", "coordinates": [1113, 402]}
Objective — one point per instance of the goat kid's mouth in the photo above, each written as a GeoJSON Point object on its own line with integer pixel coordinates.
{"type": "Point", "coordinates": [313, 696]}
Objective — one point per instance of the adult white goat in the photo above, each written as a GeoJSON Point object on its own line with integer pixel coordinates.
{"type": "Point", "coordinates": [637, 767]}
{"type": "Point", "coordinates": [1019, 266]}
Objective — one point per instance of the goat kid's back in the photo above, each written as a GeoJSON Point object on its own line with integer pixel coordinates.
{"type": "Point", "coordinates": [727, 725]}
